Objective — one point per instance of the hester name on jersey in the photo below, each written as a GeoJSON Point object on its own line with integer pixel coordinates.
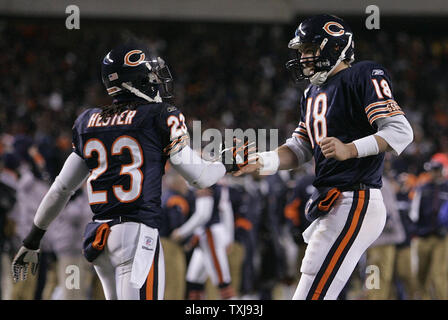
{"type": "Point", "coordinates": [125, 154]}
{"type": "Point", "coordinates": [346, 106]}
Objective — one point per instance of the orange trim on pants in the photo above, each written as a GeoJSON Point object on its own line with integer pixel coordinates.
{"type": "Point", "coordinates": [341, 246]}
{"type": "Point", "coordinates": [150, 283]}
{"type": "Point", "coordinates": [214, 256]}
{"type": "Point", "coordinates": [150, 291]}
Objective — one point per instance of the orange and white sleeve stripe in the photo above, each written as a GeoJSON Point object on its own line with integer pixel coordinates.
{"type": "Point", "coordinates": [382, 109]}
{"type": "Point", "coordinates": [301, 132]}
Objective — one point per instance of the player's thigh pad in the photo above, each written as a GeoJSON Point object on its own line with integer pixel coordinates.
{"type": "Point", "coordinates": [115, 264]}
{"type": "Point", "coordinates": [196, 271]}
{"type": "Point", "coordinates": [214, 243]}
{"type": "Point", "coordinates": [371, 228]}
{"type": "Point", "coordinates": [335, 248]}
{"type": "Point", "coordinates": [343, 225]}
{"type": "Point", "coordinates": [122, 242]}
{"type": "Point", "coordinates": [324, 232]}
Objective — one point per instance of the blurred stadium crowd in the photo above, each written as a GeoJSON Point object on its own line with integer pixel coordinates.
{"type": "Point", "coordinates": [226, 76]}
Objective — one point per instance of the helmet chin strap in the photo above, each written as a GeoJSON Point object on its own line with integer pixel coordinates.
{"type": "Point", "coordinates": [140, 94]}
{"type": "Point", "coordinates": [320, 77]}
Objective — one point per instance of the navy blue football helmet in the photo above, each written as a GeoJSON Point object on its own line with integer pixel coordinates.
{"type": "Point", "coordinates": [132, 68]}
{"type": "Point", "coordinates": [329, 35]}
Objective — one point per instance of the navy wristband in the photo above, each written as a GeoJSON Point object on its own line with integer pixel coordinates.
{"type": "Point", "coordinates": [32, 240]}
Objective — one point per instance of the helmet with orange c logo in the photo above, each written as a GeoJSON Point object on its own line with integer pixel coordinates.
{"type": "Point", "coordinates": [132, 69]}
{"type": "Point", "coordinates": [330, 40]}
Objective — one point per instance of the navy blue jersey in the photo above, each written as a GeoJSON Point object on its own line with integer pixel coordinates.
{"type": "Point", "coordinates": [433, 195]}
{"type": "Point", "coordinates": [346, 107]}
{"type": "Point", "coordinates": [404, 206]}
{"type": "Point", "coordinates": [242, 223]}
{"type": "Point", "coordinates": [295, 209]}
{"type": "Point", "coordinates": [216, 194]}
{"type": "Point", "coordinates": [176, 210]}
{"type": "Point", "coordinates": [126, 158]}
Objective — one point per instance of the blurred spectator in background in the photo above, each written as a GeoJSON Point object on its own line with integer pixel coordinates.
{"type": "Point", "coordinates": [177, 205]}
{"type": "Point", "coordinates": [296, 221]}
{"type": "Point", "coordinates": [242, 228]}
{"type": "Point", "coordinates": [405, 271]}
{"type": "Point", "coordinates": [382, 253]}
{"type": "Point", "coordinates": [74, 274]}
{"type": "Point", "coordinates": [31, 188]}
{"type": "Point", "coordinates": [8, 194]}
{"type": "Point", "coordinates": [431, 241]}
{"type": "Point", "coordinates": [248, 209]}
{"type": "Point", "coordinates": [273, 254]}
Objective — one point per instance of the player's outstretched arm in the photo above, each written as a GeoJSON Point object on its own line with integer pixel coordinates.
{"type": "Point", "coordinates": [71, 177]}
{"type": "Point", "coordinates": [286, 160]}
{"type": "Point", "coordinates": [290, 155]}
{"type": "Point", "coordinates": [198, 172]}
{"type": "Point", "coordinates": [203, 173]}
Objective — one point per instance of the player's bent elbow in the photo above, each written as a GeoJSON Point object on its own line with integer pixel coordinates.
{"type": "Point", "coordinates": [410, 133]}
{"type": "Point", "coordinates": [407, 136]}
{"type": "Point", "coordinates": [201, 184]}
{"type": "Point", "coordinates": [210, 174]}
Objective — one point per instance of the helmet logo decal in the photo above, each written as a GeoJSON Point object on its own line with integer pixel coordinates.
{"type": "Point", "coordinates": [113, 90]}
{"type": "Point", "coordinates": [107, 59]}
{"type": "Point", "coordinates": [339, 28]}
{"type": "Point", "coordinates": [300, 30]}
{"type": "Point", "coordinates": [113, 76]}
{"type": "Point", "coordinates": [130, 63]}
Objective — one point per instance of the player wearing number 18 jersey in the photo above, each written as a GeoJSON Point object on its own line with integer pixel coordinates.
{"type": "Point", "coordinates": [348, 106]}
{"type": "Point", "coordinates": [120, 151]}
{"type": "Point", "coordinates": [348, 119]}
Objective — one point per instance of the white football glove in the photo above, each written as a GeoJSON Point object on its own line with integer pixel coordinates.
{"type": "Point", "coordinates": [21, 262]}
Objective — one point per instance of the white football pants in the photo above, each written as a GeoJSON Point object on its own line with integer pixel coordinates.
{"type": "Point", "coordinates": [114, 266]}
{"type": "Point", "coordinates": [210, 258]}
{"type": "Point", "coordinates": [337, 241]}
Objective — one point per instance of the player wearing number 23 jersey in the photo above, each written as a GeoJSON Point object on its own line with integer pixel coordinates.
{"type": "Point", "coordinates": [120, 151]}
{"type": "Point", "coordinates": [125, 153]}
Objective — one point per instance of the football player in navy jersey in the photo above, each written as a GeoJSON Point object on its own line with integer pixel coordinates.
{"type": "Point", "coordinates": [120, 151]}
{"type": "Point", "coordinates": [348, 119]}
{"type": "Point", "coordinates": [211, 226]}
